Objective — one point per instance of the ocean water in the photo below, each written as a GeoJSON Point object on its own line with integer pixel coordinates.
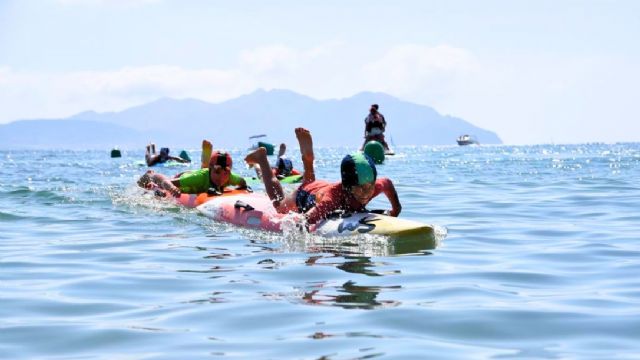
{"type": "Point", "coordinates": [538, 258]}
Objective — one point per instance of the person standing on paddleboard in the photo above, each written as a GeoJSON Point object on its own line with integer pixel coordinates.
{"type": "Point", "coordinates": [374, 127]}
{"type": "Point", "coordinates": [317, 199]}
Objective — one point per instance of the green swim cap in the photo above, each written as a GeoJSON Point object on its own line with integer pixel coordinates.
{"type": "Point", "coordinates": [357, 169]}
{"type": "Point", "coordinates": [375, 150]}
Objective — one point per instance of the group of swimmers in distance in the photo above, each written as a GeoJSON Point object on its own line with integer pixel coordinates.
{"type": "Point", "coordinates": [315, 199]}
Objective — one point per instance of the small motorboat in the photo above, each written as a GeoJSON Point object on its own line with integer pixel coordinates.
{"type": "Point", "coordinates": [466, 140]}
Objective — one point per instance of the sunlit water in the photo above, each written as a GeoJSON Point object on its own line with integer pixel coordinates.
{"type": "Point", "coordinates": [541, 260]}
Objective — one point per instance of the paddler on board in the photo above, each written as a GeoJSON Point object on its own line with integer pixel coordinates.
{"type": "Point", "coordinates": [317, 199]}
{"type": "Point", "coordinates": [214, 175]}
{"type": "Point", "coordinates": [153, 158]}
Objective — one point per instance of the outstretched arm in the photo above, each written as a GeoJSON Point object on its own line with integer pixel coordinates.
{"type": "Point", "coordinates": [242, 184]}
{"type": "Point", "coordinates": [390, 192]}
{"type": "Point", "coordinates": [148, 179]}
{"type": "Point", "coordinates": [168, 185]}
{"type": "Point", "coordinates": [237, 181]}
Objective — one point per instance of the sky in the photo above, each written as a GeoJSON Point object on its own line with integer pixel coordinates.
{"type": "Point", "coordinates": [533, 71]}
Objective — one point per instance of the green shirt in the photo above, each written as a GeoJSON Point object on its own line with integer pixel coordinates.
{"type": "Point", "coordinates": [198, 181]}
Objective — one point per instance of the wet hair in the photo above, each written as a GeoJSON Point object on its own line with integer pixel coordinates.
{"type": "Point", "coordinates": [144, 180]}
{"type": "Point", "coordinates": [220, 158]}
{"type": "Point", "coordinates": [357, 169]}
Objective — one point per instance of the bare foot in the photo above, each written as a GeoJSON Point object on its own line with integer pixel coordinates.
{"type": "Point", "coordinates": [306, 144]}
{"type": "Point", "coordinates": [206, 153]}
{"type": "Point", "coordinates": [256, 156]}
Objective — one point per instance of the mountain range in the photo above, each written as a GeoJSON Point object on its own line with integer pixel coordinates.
{"type": "Point", "coordinates": [185, 122]}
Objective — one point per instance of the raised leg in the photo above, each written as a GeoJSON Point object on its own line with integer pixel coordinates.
{"type": "Point", "coordinates": [206, 154]}
{"type": "Point", "coordinates": [271, 184]}
{"type": "Point", "coordinates": [149, 156]}
{"type": "Point", "coordinates": [306, 150]}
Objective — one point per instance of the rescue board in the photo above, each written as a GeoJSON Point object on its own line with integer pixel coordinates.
{"type": "Point", "coordinates": [255, 211]}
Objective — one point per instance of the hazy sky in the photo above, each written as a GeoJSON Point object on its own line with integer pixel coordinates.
{"type": "Point", "coordinates": [562, 71]}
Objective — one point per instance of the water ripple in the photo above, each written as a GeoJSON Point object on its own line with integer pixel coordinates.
{"type": "Point", "coordinates": [538, 259]}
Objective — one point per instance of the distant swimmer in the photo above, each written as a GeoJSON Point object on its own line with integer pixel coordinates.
{"type": "Point", "coordinates": [152, 158]}
{"type": "Point", "coordinates": [374, 127]}
{"type": "Point", "coordinates": [317, 199]}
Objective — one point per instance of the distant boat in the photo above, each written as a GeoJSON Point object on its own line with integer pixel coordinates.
{"type": "Point", "coordinates": [467, 140]}
{"type": "Point", "coordinates": [267, 145]}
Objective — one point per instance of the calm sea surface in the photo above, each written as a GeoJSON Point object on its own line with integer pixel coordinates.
{"type": "Point", "coordinates": [539, 257]}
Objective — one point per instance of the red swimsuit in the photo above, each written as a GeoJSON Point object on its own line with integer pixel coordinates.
{"type": "Point", "coordinates": [320, 198]}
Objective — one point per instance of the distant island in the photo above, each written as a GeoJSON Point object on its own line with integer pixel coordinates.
{"type": "Point", "coordinates": [184, 123]}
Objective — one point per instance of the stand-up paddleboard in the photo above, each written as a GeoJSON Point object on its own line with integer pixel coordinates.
{"type": "Point", "coordinates": [255, 210]}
